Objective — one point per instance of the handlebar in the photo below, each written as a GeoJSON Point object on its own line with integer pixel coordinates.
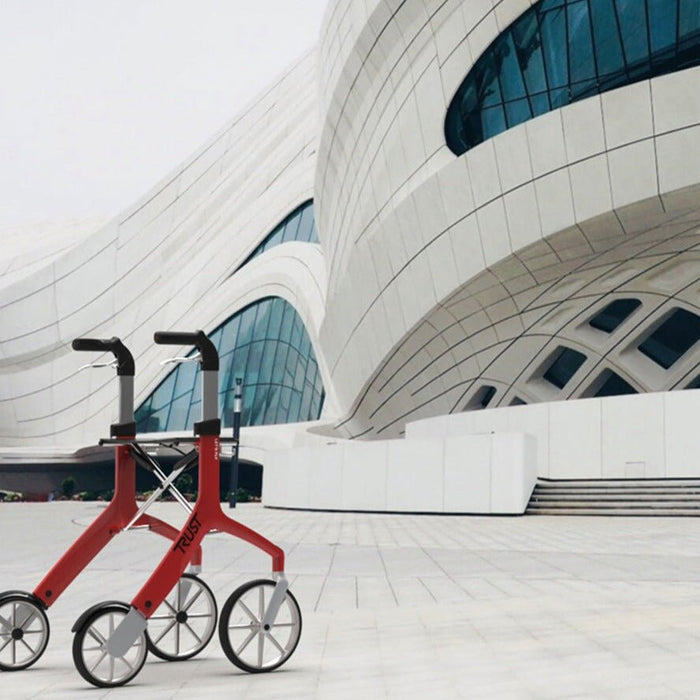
{"type": "Point", "coordinates": [125, 360]}
{"type": "Point", "coordinates": [207, 349]}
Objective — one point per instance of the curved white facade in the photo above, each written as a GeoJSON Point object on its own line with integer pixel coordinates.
{"type": "Point", "coordinates": [164, 263]}
{"type": "Point", "coordinates": [450, 273]}
{"type": "Point", "coordinates": [437, 276]}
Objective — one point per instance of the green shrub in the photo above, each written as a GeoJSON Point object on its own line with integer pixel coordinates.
{"type": "Point", "coordinates": [68, 487]}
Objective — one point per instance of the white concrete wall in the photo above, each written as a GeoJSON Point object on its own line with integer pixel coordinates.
{"type": "Point", "coordinates": [648, 435]}
{"type": "Point", "coordinates": [492, 473]}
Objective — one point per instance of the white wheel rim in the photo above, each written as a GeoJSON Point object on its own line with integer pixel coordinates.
{"type": "Point", "coordinates": [254, 646]}
{"type": "Point", "coordinates": [175, 638]}
{"type": "Point", "coordinates": [99, 663]}
{"type": "Point", "coordinates": [23, 633]}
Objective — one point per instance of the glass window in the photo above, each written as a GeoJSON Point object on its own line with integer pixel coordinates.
{"type": "Point", "coordinates": [270, 350]}
{"type": "Point", "coordinates": [561, 51]}
{"type": "Point", "coordinates": [482, 398]}
{"type": "Point", "coordinates": [614, 314]}
{"type": "Point", "coordinates": [673, 338]}
{"type": "Point", "coordinates": [663, 16]}
{"type": "Point", "coordinates": [297, 226]}
{"type": "Point", "coordinates": [564, 365]}
{"type": "Point", "coordinates": [614, 385]}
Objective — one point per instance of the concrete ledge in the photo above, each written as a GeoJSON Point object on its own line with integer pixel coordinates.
{"type": "Point", "coordinates": [489, 473]}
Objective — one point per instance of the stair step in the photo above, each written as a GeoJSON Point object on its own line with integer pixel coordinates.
{"type": "Point", "coordinates": [617, 496]}
{"type": "Point", "coordinates": [622, 483]}
{"type": "Point", "coordinates": [616, 511]}
{"type": "Point", "coordinates": [668, 497]}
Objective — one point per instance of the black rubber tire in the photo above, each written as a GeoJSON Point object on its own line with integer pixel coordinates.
{"type": "Point", "coordinates": [78, 648]}
{"type": "Point", "coordinates": [8, 639]}
{"type": "Point", "coordinates": [209, 632]}
{"type": "Point", "coordinates": [291, 619]}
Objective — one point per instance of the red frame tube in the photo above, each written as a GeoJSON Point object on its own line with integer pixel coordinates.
{"type": "Point", "coordinates": [111, 521]}
{"type": "Point", "coordinates": [206, 516]}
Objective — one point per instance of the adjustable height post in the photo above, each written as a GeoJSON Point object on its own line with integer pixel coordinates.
{"type": "Point", "coordinates": [237, 409]}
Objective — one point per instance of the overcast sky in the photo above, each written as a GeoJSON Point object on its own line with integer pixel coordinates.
{"type": "Point", "coordinates": [99, 99]}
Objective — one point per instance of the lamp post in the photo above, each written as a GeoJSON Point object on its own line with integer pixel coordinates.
{"type": "Point", "coordinates": [237, 409]}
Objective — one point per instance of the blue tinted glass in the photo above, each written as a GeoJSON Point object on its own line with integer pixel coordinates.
{"type": "Point", "coordinates": [540, 104]}
{"type": "Point", "coordinates": [512, 85]}
{"type": "Point", "coordinates": [673, 338]}
{"type": "Point", "coordinates": [526, 39]}
{"type": "Point", "coordinates": [267, 362]}
{"type": "Point", "coordinates": [295, 406]}
{"type": "Point", "coordinates": [247, 324]}
{"type": "Point", "coordinates": [553, 32]}
{"type": "Point", "coordinates": [493, 121]}
{"type": "Point", "coordinates": [306, 225]}
{"type": "Point", "coordinates": [263, 318]}
{"type": "Point", "coordinates": [564, 366]}
{"type": "Point", "coordinates": [663, 16]}
{"type": "Point", "coordinates": [615, 385]}
{"type": "Point", "coordinates": [275, 325]}
{"type": "Point", "coordinates": [689, 19]}
{"type": "Point", "coordinates": [216, 339]}
{"type": "Point", "coordinates": [228, 339]}
{"type": "Point", "coordinates": [184, 378]}
{"type": "Point", "coordinates": [291, 229]}
{"type": "Point", "coordinates": [179, 409]}
{"type": "Point", "coordinates": [632, 17]}
{"type": "Point", "coordinates": [280, 362]}
{"type": "Point", "coordinates": [273, 373]}
{"type": "Point", "coordinates": [614, 314]}
{"type": "Point", "coordinates": [489, 89]}
{"type": "Point", "coordinates": [608, 46]}
{"type": "Point", "coordinates": [163, 395]}
{"type": "Point", "coordinates": [560, 51]}
{"type": "Point", "coordinates": [518, 112]}
{"type": "Point", "coordinates": [271, 404]}
{"type": "Point", "coordinates": [581, 60]}
{"type": "Point", "coordinates": [299, 225]}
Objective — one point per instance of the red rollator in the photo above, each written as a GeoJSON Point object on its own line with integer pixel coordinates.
{"type": "Point", "coordinates": [260, 623]}
{"type": "Point", "coordinates": [24, 626]}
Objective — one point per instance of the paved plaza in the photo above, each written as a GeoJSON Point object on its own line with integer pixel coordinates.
{"type": "Point", "coordinates": [400, 606]}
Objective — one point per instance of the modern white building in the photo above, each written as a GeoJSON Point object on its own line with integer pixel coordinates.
{"type": "Point", "coordinates": [454, 248]}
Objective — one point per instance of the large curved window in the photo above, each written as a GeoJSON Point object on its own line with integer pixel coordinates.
{"type": "Point", "coordinates": [560, 51]}
{"type": "Point", "coordinates": [266, 344]}
{"type": "Point", "coordinates": [300, 225]}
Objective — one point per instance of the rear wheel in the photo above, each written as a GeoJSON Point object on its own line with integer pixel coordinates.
{"type": "Point", "coordinates": [184, 623]}
{"type": "Point", "coordinates": [24, 631]}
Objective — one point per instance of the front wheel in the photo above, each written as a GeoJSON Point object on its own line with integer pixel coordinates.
{"type": "Point", "coordinates": [249, 644]}
{"type": "Point", "coordinates": [91, 657]}
{"type": "Point", "coordinates": [184, 623]}
{"type": "Point", "coordinates": [24, 631]}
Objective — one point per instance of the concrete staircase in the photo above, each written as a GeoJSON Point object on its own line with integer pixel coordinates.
{"type": "Point", "coordinates": [616, 497]}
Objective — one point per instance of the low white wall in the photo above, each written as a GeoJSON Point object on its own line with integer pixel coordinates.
{"type": "Point", "coordinates": [492, 473]}
{"type": "Point", "coordinates": [643, 435]}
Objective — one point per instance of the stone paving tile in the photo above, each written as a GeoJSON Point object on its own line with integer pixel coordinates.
{"type": "Point", "coordinates": [404, 606]}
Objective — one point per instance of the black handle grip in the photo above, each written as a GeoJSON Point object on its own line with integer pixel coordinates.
{"type": "Point", "coordinates": [125, 360]}
{"type": "Point", "coordinates": [207, 349]}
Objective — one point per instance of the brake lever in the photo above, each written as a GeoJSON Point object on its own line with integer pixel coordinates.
{"type": "Point", "coordinates": [177, 360]}
{"type": "Point", "coordinates": [113, 363]}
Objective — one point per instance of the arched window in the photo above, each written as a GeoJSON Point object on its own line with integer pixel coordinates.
{"type": "Point", "coordinates": [266, 344]}
{"type": "Point", "coordinates": [561, 51]}
{"type": "Point", "coordinates": [300, 225]}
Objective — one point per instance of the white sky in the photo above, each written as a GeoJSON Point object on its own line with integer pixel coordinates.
{"type": "Point", "coordinates": [99, 99]}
